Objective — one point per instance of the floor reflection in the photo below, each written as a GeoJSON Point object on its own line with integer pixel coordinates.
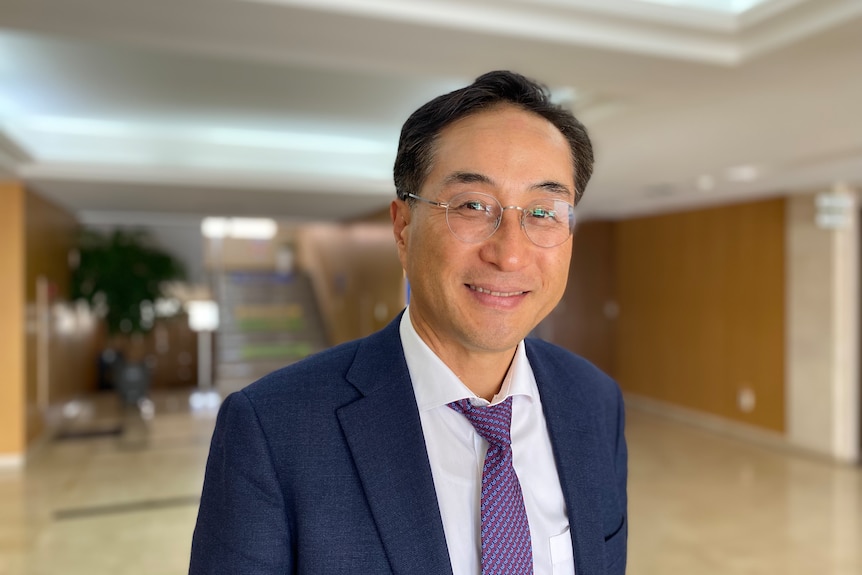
{"type": "Point", "coordinates": [115, 493]}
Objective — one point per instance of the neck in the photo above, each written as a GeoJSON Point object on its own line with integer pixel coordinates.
{"type": "Point", "coordinates": [481, 372]}
{"type": "Point", "coordinates": [487, 380]}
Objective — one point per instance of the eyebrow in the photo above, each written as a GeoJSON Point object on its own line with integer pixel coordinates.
{"type": "Point", "coordinates": [554, 187]}
{"type": "Point", "coordinates": [476, 178]}
{"type": "Point", "coordinates": [466, 178]}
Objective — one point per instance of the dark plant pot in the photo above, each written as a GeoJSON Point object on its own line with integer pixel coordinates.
{"type": "Point", "coordinates": [132, 381]}
{"type": "Point", "coordinates": [107, 367]}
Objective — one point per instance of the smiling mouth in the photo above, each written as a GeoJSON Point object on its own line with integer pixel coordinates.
{"type": "Point", "coordinates": [495, 293]}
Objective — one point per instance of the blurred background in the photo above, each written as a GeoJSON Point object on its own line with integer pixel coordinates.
{"type": "Point", "coordinates": [195, 193]}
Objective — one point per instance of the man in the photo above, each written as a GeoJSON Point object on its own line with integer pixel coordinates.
{"type": "Point", "coordinates": [445, 443]}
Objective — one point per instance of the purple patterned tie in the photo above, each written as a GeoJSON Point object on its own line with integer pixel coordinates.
{"type": "Point", "coordinates": [506, 548]}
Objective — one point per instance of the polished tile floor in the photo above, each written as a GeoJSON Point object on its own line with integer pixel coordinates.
{"type": "Point", "coordinates": [97, 503]}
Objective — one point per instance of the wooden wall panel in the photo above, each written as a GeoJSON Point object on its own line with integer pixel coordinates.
{"type": "Point", "coordinates": [172, 352]}
{"type": "Point", "coordinates": [12, 423]}
{"type": "Point", "coordinates": [701, 299]}
{"type": "Point", "coordinates": [581, 322]}
{"type": "Point", "coordinates": [357, 276]}
{"type": "Point", "coordinates": [61, 340]}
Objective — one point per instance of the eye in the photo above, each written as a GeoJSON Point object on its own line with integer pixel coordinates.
{"type": "Point", "coordinates": [472, 205]}
{"type": "Point", "coordinates": [542, 213]}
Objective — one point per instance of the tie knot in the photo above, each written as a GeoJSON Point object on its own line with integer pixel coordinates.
{"type": "Point", "coordinates": [492, 422]}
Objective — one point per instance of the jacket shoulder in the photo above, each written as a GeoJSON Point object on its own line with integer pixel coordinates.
{"type": "Point", "coordinates": [551, 360]}
{"type": "Point", "coordinates": [562, 358]}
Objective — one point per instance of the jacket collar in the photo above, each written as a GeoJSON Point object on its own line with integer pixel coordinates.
{"type": "Point", "coordinates": [571, 427]}
{"type": "Point", "coordinates": [384, 434]}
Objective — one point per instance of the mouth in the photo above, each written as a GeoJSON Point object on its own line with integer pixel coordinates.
{"type": "Point", "coordinates": [495, 293]}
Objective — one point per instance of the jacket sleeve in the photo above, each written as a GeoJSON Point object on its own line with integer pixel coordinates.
{"type": "Point", "coordinates": [241, 525]}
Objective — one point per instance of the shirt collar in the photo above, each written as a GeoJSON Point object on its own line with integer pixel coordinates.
{"type": "Point", "coordinates": [435, 385]}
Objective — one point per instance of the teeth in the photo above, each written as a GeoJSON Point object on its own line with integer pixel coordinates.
{"type": "Point", "coordinates": [495, 293]}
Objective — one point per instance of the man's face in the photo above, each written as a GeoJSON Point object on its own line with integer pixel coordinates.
{"type": "Point", "coordinates": [487, 296]}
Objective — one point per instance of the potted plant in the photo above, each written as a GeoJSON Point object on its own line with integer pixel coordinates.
{"type": "Point", "coordinates": [122, 274]}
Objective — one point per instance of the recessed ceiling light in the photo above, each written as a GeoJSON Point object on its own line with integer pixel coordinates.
{"type": "Point", "coordinates": [742, 173]}
{"type": "Point", "coordinates": [659, 190]}
{"type": "Point", "coordinates": [705, 183]}
{"type": "Point", "coordinates": [565, 96]}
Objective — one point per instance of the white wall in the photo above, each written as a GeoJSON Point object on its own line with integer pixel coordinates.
{"type": "Point", "coordinates": [822, 399]}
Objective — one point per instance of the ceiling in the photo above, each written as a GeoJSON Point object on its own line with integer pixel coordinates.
{"type": "Point", "coordinates": [130, 110]}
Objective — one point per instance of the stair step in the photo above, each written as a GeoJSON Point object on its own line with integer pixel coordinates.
{"type": "Point", "coordinates": [268, 321]}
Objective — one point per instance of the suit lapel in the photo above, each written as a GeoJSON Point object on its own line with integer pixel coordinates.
{"type": "Point", "coordinates": [385, 437]}
{"type": "Point", "coordinates": [575, 447]}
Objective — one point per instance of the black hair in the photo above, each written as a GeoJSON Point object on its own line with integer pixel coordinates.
{"type": "Point", "coordinates": [423, 127]}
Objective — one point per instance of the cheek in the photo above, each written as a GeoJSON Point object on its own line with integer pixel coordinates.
{"type": "Point", "coordinates": [432, 247]}
{"type": "Point", "coordinates": [420, 244]}
{"type": "Point", "coordinates": [419, 252]}
{"type": "Point", "coordinates": [557, 271]}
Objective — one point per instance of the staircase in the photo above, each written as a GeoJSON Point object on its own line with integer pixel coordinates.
{"type": "Point", "coordinates": [268, 320]}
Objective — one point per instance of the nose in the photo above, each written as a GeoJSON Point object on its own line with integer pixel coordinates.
{"type": "Point", "coordinates": [509, 247]}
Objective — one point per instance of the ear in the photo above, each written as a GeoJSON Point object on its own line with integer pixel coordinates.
{"type": "Point", "coordinates": [400, 213]}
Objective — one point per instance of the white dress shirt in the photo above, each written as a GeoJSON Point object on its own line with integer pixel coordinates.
{"type": "Point", "coordinates": [457, 454]}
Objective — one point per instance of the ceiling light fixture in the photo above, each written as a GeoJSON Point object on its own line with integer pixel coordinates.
{"type": "Point", "coordinates": [294, 141]}
{"type": "Point", "coordinates": [726, 6]}
{"type": "Point", "coordinates": [705, 183]}
{"type": "Point", "coordinates": [742, 173]}
{"type": "Point", "coordinates": [239, 228]}
{"type": "Point", "coordinates": [565, 96]}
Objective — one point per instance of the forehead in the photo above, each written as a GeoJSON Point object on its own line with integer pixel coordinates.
{"type": "Point", "coordinates": [504, 139]}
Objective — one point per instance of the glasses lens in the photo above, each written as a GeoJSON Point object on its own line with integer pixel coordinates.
{"type": "Point", "coordinates": [549, 223]}
{"type": "Point", "coordinates": [472, 216]}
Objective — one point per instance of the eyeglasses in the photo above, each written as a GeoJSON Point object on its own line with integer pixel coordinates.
{"type": "Point", "coordinates": [473, 217]}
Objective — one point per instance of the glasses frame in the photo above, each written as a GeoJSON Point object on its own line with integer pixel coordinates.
{"type": "Point", "coordinates": [522, 219]}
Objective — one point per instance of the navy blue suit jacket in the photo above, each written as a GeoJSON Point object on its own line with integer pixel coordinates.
{"type": "Point", "coordinates": [321, 468]}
